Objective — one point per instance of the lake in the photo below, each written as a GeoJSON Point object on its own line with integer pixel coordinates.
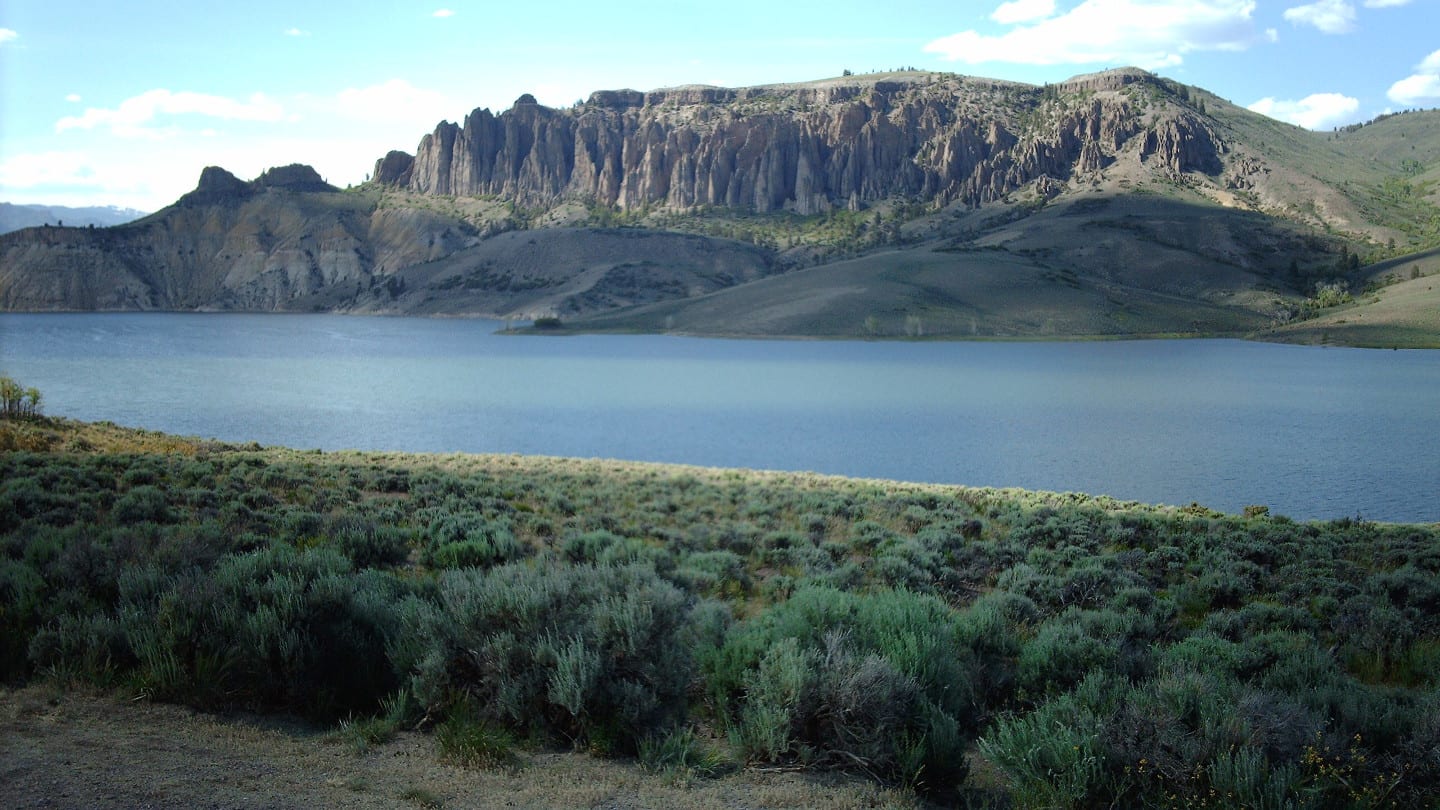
{"type": "Point", "coordinates": [1314, 433]}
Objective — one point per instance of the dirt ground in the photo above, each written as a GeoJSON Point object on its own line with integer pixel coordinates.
{"type": "Point", "coordinates": [75, 749]}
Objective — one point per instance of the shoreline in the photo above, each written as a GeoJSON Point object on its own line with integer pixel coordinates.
{"type": "Point", "coordinates": [1266, 336]}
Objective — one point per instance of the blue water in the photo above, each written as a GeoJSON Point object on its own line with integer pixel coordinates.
{"type": "Point", "coordinates": [1310, 432]}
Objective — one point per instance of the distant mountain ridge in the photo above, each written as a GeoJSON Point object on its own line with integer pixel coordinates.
{"type": "Point", "coordinates": [912, 203]}
{"type": "Point", "coordinates": [14, 217]}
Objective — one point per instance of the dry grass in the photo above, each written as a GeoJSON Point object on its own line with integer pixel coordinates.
{"type": "Point", "coordinates": [124, 754]}
{"type": "Point", "coordinates": [51, 434]}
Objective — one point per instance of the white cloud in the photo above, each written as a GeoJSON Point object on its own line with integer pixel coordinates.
{"type": "Point", "coordinates": [73, 98]}
{"type": "Point", "coordinates": [394, 100]}
{"type": "Point", "coordinates": [1019, 11]}
{"type": "Point", "coordinates": [7, 35]}
{"type": "Point", "coordinates": [44, 168]}
{"type": "Point", "coordinates": [443, 13]}
{"type": "Point", "coordinates": [1316, 111]}
{"type": "Point", "coordinates": [1148, 33]}
{"type": "Point", "coordinates": [296, 32]}
{"type": "Point", "coordinates": [1421, 87]}
{"type": "Point", "coordinates": [1386, 3]}
{"type": "Point", "coordinates": [1330, 16]}
{"type": "Point", "coordinates": [136, 117]}
{"type": "Point", "coordinates": [175, 136]}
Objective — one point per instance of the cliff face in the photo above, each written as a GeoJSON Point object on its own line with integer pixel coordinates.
{"type": "Point", "coordinates": [809, 148]}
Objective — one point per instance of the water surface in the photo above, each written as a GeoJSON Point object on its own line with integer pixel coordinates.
{"type": "Point", "coordinates": [1311, 432]}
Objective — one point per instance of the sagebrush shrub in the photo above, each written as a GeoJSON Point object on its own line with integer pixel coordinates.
{"type": "Point", "coordinates": [573, 652]}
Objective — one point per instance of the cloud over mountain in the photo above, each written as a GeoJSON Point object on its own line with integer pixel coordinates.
{"type": "Point", "coordinates": [144, 116]}
{"type": "Point", "coordinates": [1149, 33]}
{"type": "Point", "coordinates": [1315, 111]}
{"type": "Point", "coordinates": [1420, 87]}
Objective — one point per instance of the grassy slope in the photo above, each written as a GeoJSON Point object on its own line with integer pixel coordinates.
{"type": "Point", "coordinates": [1097, 265]}
{"type": "Point", "coordinates": [1403, 312]}
{"type": "Point", "coordinates": [1311, 647]}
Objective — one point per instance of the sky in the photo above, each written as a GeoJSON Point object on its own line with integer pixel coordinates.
{"type": "Point", "coordinates": [105, 102]}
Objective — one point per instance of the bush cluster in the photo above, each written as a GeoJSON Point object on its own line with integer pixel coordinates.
{"type": "Point", "coordinates": [1096, 653]}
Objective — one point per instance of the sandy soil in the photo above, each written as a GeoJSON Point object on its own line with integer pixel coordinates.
{"type": "Point", "coordinates": [68, 749]}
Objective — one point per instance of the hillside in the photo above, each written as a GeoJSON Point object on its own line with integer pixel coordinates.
{"type": "Point", "coordinates": [1113, 204]}
{"type": "Point", "coordinates": [976, 647]}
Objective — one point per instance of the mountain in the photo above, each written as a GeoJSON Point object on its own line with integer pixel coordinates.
{"type": "Point", "coordinates": [14, 217]}
{"type": "Point", "coordinates": [910, 203]}
{"type": "Point", "coordinates": [287, 241]}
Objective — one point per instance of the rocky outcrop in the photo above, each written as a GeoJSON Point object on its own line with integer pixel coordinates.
{"type": "Point", "coordinates": [805, 148]}
{"type": "Point", "coordinates": [229, 244]}
{"type": "Point", "coordinates": [1183, 144]}
{"type": "Point", "coordinates": [295, 177]}
{"type": "Point", "coordinates": [216, 186]}
{"type": "Point", "coordinates": [394, 169]}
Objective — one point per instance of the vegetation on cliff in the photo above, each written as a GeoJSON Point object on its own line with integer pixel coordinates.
{"type": "Point", "coordinates": [976, 645]}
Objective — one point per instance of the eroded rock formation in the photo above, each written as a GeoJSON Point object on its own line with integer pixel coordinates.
{"type": "Point", "coordinates": [808, 148]}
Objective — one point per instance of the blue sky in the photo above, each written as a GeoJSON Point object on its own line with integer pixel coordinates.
{"type": "Point", "coordinates": [123, 103]}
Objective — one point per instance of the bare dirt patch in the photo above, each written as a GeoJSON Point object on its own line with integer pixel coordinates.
{"type": "Point", "coordinates": [68, 749]}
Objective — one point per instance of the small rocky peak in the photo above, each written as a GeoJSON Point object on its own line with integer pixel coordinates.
{"type": "Point", "coordinates": [617, 99]}
{"type": "Point", "coordinates": [1107, 80]}
{"type": "Point", "coordinates": [527, 109]}
{"type": "Point", "coordinates": [394, 169]}
{"type": "Point", "coordinates": [692, 94]}
{"type": "Point", "coordinates": [295, 177]}
{"type": "Point", "coordinates": [216, 185]}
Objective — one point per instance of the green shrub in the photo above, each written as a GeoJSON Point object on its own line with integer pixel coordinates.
{"type": "Point", "coordinates": [720, 573]}
{"type": "Point", "coordinates": [777, 692]}
{"type": "Point", "coordinates": [142, 503]}
{"type": "Point", "coordinates": [1052, 756]}
{"type": "Point", "coordinates": [469, 540]}
{"type": "Point", "coordinates": [587, 547]}
{"type": "Point", "coordinates": [682, 753]}
{"type": "Point", "coordinates": [467, 739]}
{"type": "Point", "coordinates": [591, 654]}
{"type": "Point", "coordinates": [21, 597]}
{"type": "Point", "coordinates": [835, 679]}
{"type": "Point", "coordinates": [363, 733]}
{"type": "Point", "coordinates": [86, 647]}
{"type": "Point", "coordinates": [276, 628]}
{"type": "Point", "coordinates": [1060, 655]}
{"type": "Point", "coordinates": [371, 545]}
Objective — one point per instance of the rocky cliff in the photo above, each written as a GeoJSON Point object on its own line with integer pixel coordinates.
{"type": "Point", "coordinates": [812, 147]}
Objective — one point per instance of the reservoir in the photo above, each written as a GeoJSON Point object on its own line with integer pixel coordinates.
{"type": "Point", "coordinates": [1311, 432]}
